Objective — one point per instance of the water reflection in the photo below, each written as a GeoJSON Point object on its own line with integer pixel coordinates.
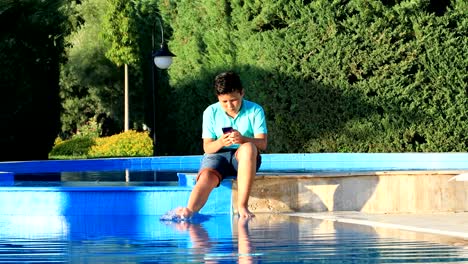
{"type": "Point", "coordinates": [203, 245]}
{"type": "Point", "coordinates": [267, 238]}
{"type": "Point", "coordinates": [245, 248]}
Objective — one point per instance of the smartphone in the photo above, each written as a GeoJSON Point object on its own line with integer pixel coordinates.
{"type": "Point", "coordinates": [227, 130]}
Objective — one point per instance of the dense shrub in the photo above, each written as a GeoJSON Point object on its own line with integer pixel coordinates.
{"type": "Point", "coordinates": [78, 146]}
{"type": "Point", "coordinates": [126, 144]}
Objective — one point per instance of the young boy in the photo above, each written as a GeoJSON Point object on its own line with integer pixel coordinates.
{"type": "Point", "coordinates": [234, 132]}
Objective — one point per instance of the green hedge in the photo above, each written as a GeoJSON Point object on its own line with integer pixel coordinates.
{"type": "Point", "coordinates": [333, 76]}
{"type": "Point", "coordinates": [78, 146]}
{"type": "Point", "coordinates": [126, 144]}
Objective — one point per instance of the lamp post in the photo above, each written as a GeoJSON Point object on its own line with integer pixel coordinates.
{"type": "Point", "coordinates": [162, 59]}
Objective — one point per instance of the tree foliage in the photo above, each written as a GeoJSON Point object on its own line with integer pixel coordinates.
{"type": "Point", "coordinates": [90, 83]}
{"type": "Point", "coordinates": [333, 76]}
{"type": "Point", "coordinates": [108, 35]}
{"type": "Point", "coordinates": [121, 29]}
{"type": "Point", "coordinates": [31, 50]}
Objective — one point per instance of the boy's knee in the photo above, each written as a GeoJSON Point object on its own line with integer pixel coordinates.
{"type": "Point", "coordinates": [209, 176]}
{"type": "Point", "coordinates": [248, 148]}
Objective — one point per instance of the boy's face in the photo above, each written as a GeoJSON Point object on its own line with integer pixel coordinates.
{"type": "Point", "coordinates": [231, 102]}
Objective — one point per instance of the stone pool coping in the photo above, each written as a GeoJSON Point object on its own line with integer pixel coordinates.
{"type": "Point", "coordinates": [358, 173]}
{"type": "Point", "coordinates": [454, 224]}
{"type": "Point", "coordinates": [300, 162]}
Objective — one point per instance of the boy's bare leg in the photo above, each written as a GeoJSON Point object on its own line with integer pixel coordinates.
{"type": "Point", "coordinates": [199, 195]}
{"type": "Point", "coordinates": [247, 158]}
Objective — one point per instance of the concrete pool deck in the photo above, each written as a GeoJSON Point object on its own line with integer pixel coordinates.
{"type": "Point", "coordinates": [376, 192]}
{"type": "Point", "coordinates": [444, 224]}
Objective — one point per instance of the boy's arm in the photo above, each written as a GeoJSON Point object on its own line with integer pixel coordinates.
{"type": "Point", "coordinates": [211, 145]}
{"type": "Point", "coordinates": [260, 141]}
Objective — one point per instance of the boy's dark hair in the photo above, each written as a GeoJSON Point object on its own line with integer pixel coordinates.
{"type": "Point", "coordinates": [227, 82]}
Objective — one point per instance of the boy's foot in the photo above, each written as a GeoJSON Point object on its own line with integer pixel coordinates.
{"type": "Point", "coordinates": [245, 213]}
{"type": "Point", "coordinates": [184, 212]}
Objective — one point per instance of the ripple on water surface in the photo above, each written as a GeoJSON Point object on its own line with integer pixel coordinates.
{"type": "Point", "coordinates": [217, 238]}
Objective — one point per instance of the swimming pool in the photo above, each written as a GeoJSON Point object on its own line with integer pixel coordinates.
{"type": "Point", "coordinates": [417, 182]}
{"type": "Point", "coordinates": [268, 238]}
{"type": "Point", "coordinates": [100, 221]}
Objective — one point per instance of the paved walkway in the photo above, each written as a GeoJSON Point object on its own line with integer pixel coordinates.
{"type": "Point", "coordinates": [448, 224]}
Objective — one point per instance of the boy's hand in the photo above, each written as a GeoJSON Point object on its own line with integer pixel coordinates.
{"type": "Point", "coordinates": [226, 139]}
{"type": "Point", "coordinates": [235, 137]}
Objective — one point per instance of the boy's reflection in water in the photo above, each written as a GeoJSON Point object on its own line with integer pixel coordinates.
{"type": "Point", "coordinates": [202, 245]}
{"type": "Point", "coordinates": [243, 240]}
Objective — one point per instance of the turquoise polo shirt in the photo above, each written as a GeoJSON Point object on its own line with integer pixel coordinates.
{"type": "Point", "coordinates": [249, 121]}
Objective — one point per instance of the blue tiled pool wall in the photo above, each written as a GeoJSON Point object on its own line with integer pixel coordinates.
{"type": "Point", "coordinates": [6, 176]}
{"type": "Point", "coordinates": [128, 200]}
{"type": "Point", "coordinates": [270, 163]}
{"type": "Point", "coordinates": [107, 200]}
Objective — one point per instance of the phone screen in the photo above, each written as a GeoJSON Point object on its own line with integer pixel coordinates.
{"type": "Point", "coordinates": [227, 129]}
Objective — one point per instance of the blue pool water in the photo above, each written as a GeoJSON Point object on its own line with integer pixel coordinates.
{"type": "Point", "coordinates": [217, 239]}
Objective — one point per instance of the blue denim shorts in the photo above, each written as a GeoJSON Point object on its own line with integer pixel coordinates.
{"type": "Point", "coordinates": [224, 162]}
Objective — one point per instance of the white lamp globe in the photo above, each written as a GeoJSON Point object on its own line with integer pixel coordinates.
{"type": "Point", "coordinates": [163, 62]}
{"type": "Point", "coordinates": [163, 57]}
